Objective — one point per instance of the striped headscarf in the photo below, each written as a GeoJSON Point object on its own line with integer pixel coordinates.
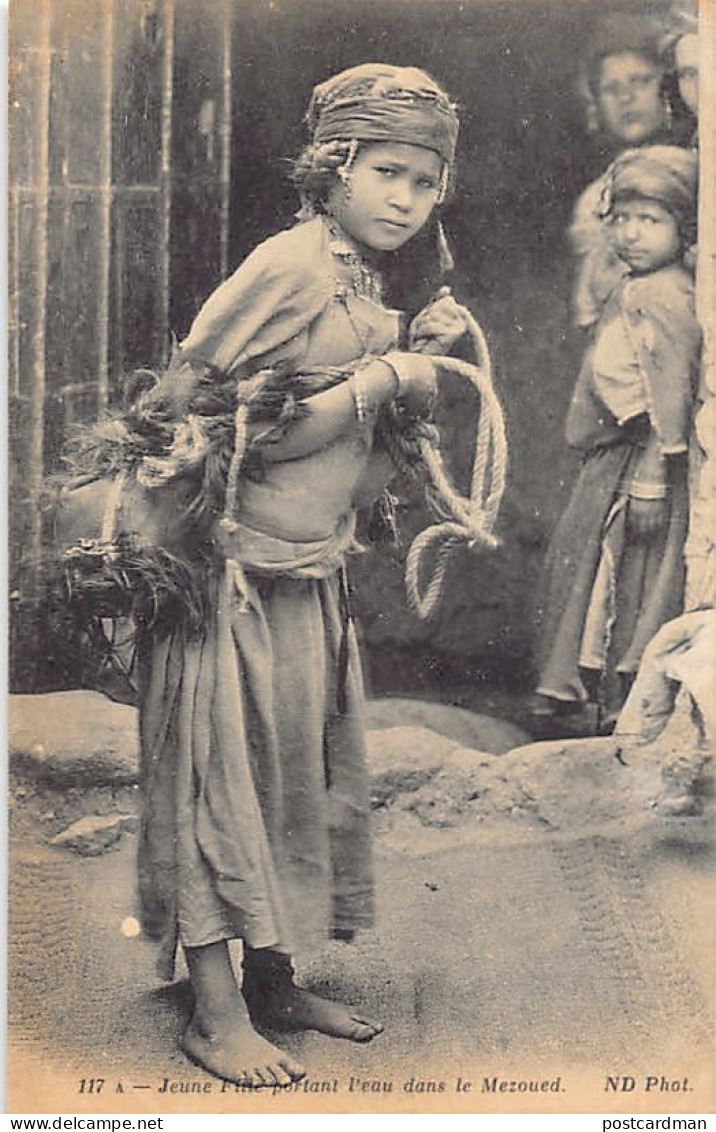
{"type": "Point", "coordinates": [377, 102]}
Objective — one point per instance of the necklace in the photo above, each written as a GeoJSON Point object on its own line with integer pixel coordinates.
{"type": "Point", "coordinates": [359, 277]}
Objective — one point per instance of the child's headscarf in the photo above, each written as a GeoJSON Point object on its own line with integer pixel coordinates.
{"type": "Point", "coordinates": [664, 173]}
{"type": "Point", "coordinates": [378, 102]}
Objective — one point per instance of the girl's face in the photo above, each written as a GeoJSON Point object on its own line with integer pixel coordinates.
{"type": "Point", "coordinates": [646, 235]}
{"type": "Point", "coordinates": [629, 98]}
{"type": "Point", "coordinates": [687, 70]}
{"type": "Point", "coordinates": [392, 189]}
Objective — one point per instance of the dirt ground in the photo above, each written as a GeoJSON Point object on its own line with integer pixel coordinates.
{"type": "Point", "coordinates": [543, 961]}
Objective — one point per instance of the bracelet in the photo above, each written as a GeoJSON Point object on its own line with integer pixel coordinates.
{"type": "Point", "coordinates": [397, 364]}
{"type": "Point", "coordinates": [359, 395]}
{"type": "Point", "coordinates": [649, 492]}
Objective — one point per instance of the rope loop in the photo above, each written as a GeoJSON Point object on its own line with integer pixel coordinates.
{"type": "Point", "coordinates": [471, 519]}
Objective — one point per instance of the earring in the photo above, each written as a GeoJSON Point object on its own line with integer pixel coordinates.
{"type": "Point", "coordinates": [345, 177]}
{"type": "Point", "coordinates": [668, 114]}
{"type": "Point", "coordinates": [444, 182]}
{"type": "Point", "coordinates": [344, 170]}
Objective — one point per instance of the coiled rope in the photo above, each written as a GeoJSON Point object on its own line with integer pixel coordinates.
{"type": "Point", "coordinates": [469, 520]}
{"type": "Point", "coordinates": [463, 519]}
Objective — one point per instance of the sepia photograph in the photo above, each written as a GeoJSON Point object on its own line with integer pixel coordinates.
{"type": "Point", "coordinates": [362, 557]}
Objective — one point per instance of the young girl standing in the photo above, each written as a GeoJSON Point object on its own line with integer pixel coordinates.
{"type": "Point", "coordinates": [614, 571]}
{"type": "Point", "coordinates": [622, 84]}
{"type": "Point", "coordinates": [256, 810]}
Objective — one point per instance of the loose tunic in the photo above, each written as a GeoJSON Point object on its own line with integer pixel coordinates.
{"type": "Point", "coordinates": [256, 807]}
{"type": "Point", "coordinates": [604, 593]}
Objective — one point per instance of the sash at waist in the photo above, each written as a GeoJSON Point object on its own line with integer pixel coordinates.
{"type": "Point", "coordinates": [252, 551]}
{"type": "Point", "coordinates": [249, 551]}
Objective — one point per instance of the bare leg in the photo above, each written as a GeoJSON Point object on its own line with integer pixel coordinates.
{"type": "Point", "coordinates": [274, 1000]}
{"type": "Point", "coordinates": [220, 1036]}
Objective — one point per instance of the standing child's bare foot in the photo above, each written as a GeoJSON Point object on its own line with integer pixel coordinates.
{"type": "Point", "coordinates": [302, 1010]}
{"type": "Point", "coordinates": [231, 1049]}
{"type": "Point", "coordinates": [220, 1036]}
{"type": "Point", "coordinates": [275, 1001]}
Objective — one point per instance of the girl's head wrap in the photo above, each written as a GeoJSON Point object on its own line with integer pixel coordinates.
{"type": "Point", "coordinates": [664, 173]}
{"type": "Point", "coordinates": [376, 102]}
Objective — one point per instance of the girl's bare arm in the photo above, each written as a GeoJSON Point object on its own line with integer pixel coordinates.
{"type": "Point", "coordinates": [334, 410]}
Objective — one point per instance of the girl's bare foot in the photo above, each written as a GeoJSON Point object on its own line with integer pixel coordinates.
{"type": "Point", "coordinates": [275, 1001]}
{"type": "Point", "coordinates": [220, 1036]}
{"type": "Point", "coordinates": [232, 1050]}
{"type": "Point", "coordinates": [298, 1009]}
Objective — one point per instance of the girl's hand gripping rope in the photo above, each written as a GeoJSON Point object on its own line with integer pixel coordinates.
{"type": "Point", "coordinates": [439, 325]}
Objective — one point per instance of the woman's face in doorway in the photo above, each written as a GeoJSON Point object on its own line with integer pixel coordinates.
{"type": "Point", "coordinates": [687, 70]}
{"type": "Point", "coordinates": [628, 93]}
{"type": "Point", "coordinates": [392, 189]}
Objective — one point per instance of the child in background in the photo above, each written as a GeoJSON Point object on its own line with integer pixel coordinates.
{"type": "Point", "coordinates": [622, 85]}
{"type": "Point", "coordinates": [614, 571]}
{"type": "Point", "coordinates": [681, 52]}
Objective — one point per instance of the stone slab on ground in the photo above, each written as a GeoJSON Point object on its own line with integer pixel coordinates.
{"type": "Point", "coordinates": [92, 835]}
{"type": "Point", "coordinates": [468, 728]}
{"type": "Point", "coordinates": [422, 781]}
{"type": "Point", "coordinates": [84, 738]}
{"type": "Point", "coordinates": [424, 789]}
{"type": "Point", "coordinates": [74, 738]}
{"type": "Point", "coordinates": [402, 760]}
